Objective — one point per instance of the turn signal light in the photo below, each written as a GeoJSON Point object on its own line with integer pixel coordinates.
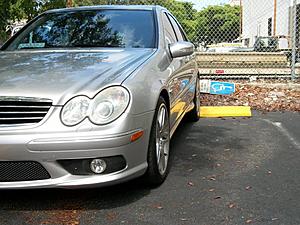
{"type": "Point", "coordinates": [136, 135]}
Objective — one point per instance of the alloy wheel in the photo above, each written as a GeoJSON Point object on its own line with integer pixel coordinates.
{"type": "Point", "coordinates": [162, 139]}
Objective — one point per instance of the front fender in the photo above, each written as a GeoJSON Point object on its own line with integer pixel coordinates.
{"type": "Point", "coordinates": [146, 84]}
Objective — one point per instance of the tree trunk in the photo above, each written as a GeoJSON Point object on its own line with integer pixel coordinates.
{"type": "Point", "coordinates": [69, 3]}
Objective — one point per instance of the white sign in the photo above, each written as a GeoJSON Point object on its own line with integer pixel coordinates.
{"type": "Point", "coordinates": [205, 86]}
{"type": "Point", "coordinates": [216, 87]}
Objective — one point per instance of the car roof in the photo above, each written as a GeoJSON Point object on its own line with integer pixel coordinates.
{"type": "Point", "coordinates": [99, 7]}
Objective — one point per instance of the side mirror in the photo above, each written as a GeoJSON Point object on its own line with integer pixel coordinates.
{"type": "Point", "coordinates": [181, 48]}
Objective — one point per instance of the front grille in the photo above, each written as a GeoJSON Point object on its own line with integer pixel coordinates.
{"type": "Point", "coordinates": [22, 171]}
{"type": "Point", "coordinates": [23, 110]}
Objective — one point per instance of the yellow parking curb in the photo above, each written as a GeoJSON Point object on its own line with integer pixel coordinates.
{"type": "Point", "coordinates": [225, 111]}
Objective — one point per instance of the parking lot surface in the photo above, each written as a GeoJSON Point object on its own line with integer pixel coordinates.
{"type": "Point", "coordinates": [224, 171]}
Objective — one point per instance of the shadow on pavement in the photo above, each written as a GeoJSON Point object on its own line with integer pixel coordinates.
{"type": "Point", "coordinates": [63, 199]}
{"type": "Point", "coordinates": [186, 153]}
{"type": "Point", "coordinates": [198, 145]}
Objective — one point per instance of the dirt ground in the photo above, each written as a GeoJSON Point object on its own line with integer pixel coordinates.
{"type": "Point", "coordinates": [264, 95]}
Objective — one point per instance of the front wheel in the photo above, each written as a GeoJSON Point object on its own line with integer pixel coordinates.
{"type": "Point", "coordinates": [159, 145]}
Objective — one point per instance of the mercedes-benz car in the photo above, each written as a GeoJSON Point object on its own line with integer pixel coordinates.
{"type": "Point", "coordinates": [91, 96]}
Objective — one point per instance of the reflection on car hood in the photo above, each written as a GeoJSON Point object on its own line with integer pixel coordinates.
{"type": "Point", "coordinates": [59, 75]}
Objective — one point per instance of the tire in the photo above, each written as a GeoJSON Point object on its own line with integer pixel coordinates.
{"type": "Point", "coordinates": [159, 146]}
{"type": "Point", "coordinates": [193, 115]}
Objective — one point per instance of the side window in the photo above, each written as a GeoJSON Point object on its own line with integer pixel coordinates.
{"type": "Point", "coordinates": [170, 36]}
{"type": "Point", "coordinates": [177, 28]}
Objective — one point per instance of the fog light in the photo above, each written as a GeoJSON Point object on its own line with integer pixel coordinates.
{"type": "Point", "coordinates": [98, 165]}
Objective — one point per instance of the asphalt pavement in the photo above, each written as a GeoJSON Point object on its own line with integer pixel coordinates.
{"type": "Point", "coordinates": [223, 171]}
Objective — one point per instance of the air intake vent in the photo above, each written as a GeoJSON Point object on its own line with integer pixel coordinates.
{"type": "Point", "coordinates": [22, 171]}
{"type": "Point", "coordinates": [23, 110]}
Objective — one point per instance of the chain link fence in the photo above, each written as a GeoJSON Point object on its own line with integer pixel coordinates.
{"type": "Point", "coordinates": [238, 38]}
{"type": "Point", "coordinates": [241, 38]}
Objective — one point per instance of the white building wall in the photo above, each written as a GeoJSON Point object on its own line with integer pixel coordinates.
{"type": "Point", "coordinates": [256, 14]}
{"type": "Point", "coordinates": [234, 2]}
{"type": "Point", "coordinates": [283, 19]}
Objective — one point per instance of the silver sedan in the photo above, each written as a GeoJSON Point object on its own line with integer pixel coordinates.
{"type": "Point", "coordinates": [91, 96]}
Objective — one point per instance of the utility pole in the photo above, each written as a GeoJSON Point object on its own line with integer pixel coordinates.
{"type": "Point", "coordinates": [294, 39]}
{"type": "Point", "coordinates": [69, 3]}
{"type": "Point", "coordinates": [275, 18]}
{"type": "Point", "coordinates": [241, 20]}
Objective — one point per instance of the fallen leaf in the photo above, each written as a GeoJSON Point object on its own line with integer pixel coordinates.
{"type": "Point", "coordinates": [190, 183]}
{"type": "Point", "coordinates": [211, 190]}
{"type": "Point", "coordinates": [248, 221]}
{"type": "Point", "coordinates": [211, 177]}
{"type": "Point", "coordinates": [111, 216]}
{"type": "Point", "coordinates": [231, 205]}
{"type": "Point", "coordinates": [75, 223]}
{"type": "Point", "coordinates": [157, 206]}
{"type": "Point", "coordinates": [248, 188]}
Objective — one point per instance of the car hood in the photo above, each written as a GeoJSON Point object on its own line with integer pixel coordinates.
{"type": "Point", "coordinates": [60, 75]}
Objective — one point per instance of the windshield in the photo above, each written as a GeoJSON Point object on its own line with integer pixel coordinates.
{"type": "Point", "coordinates": [91, 28]}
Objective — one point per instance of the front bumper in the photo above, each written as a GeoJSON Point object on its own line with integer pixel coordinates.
{"type": "Point", "coordinates": [48, 149]}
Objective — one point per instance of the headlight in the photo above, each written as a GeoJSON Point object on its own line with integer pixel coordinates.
{"type": "Point", "coordinates": [108, 105]}
{"type": "Point", "coordinates": [75, 110]}
{"type": "Point", "coordinates": [104, 108]}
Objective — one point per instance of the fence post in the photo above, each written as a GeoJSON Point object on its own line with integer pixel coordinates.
{"type": "Point", "coordinates": [294, 36]}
